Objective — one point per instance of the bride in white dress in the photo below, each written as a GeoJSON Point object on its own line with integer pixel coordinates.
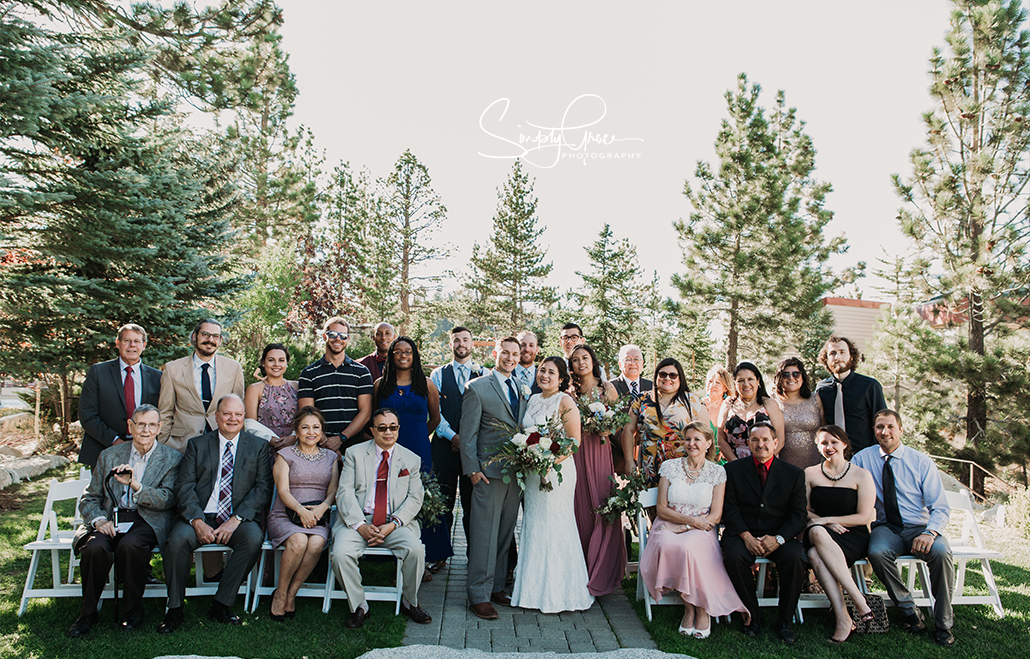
{"type": "Point", "coordinates": [552, 573]}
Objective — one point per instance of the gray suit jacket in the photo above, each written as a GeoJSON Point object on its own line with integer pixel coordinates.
{"type": "Point", "coordinates": [622, 388]}
{"type": "Point", "coordinates": [486, 423]}
{"type": "Point", "coordinates": [155, 500]}
{"type": "Point", "coordinates": [199, 473]}
{"type": "Point", "coordinates": [358, 476]}
{"type": "Point", "coordinates": [102, 406]}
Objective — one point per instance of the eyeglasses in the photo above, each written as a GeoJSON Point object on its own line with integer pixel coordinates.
{"type": "Point", "coordinates": [333, 334]}
{"type": "Point", "coordinates": [668, 375]}
{"type": "Point", "coordinates": [405, 353]}
{"type": "Point", "coordinates": [633, 360]}
{"type": "Point", "coordinates": [150, 427]}
{"type": "Point", "coordinates": [570, 337]}
{"type": "Point", "coordinates": [392, 428]}
{"type": "Point", "coordinates": [791, 375]}
{"type": "Point", "coordinates": [209, 335]}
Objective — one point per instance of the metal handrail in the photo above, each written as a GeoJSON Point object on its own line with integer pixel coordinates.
{"type": "Point", "coordinates": [981, 468]}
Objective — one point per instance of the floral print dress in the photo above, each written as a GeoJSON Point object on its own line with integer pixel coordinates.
{"type": "Point", "coordinates": [661, 435]}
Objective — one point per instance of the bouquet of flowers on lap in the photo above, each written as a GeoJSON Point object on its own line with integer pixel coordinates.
{"type": "Point", "coordinates": [535, 449]}
{"type": "Point", "coordinates": [624, 499]}
{"type": "Point", "coordinates": [601, 418]}
{"type": "Point", "coordinates": [433, 505]}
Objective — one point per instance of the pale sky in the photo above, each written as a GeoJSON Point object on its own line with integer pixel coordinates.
{"type": "Point", "coordinates": [378, 78]}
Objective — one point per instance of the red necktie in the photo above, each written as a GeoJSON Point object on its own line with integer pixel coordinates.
{"type": "Point", "coordinates": [379, 512]}
{"type": "Point", "coordinates": [130, 392]}
{"type": "Point", "coordinates": [763, 473]}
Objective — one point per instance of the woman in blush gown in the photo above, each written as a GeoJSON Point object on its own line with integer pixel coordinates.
{"type": "Point", "coordinates": [405, 388]}
{"type": "Point", "coordinates": [841, 505]}
{"type": "Point", "coordinates": [550, 577]}
{"type": "Point", "coordinates": [604, 544]}
{"type": "Point", "coordinates": [682, 552]}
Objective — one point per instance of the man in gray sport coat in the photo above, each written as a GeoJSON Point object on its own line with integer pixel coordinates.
{"type": "Point", "coordinates": [143, 487]}
{"type": "Point", "coordinates": [206, 517]}
{"type": "Point", "coordinates": [492, 408]}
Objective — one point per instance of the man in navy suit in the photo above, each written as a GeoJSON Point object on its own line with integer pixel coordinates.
{"type": "Point", "coordinates": [629, 383]}
{"type": "Point", "coordinates": [112, 392]}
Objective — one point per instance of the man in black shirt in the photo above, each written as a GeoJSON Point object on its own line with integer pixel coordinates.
{"type": "Point", "coordinates": [849, 400]}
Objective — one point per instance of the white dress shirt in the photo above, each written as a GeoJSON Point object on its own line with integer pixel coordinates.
{"type": "Point", "coordinates": [212, 503]}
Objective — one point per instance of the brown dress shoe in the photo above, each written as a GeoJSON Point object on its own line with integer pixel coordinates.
{"type": "Point", "coordinates": [416, 613]}
{"type": "Point", "coordinates": [357, 619]}
{"type": "Point", "coordinates": [484, 610]}
{"type": "Point", "coordinates": [500, 597]}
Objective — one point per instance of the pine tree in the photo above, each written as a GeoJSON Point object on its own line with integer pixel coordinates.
{"type": "Point", "coordinates": [608, 294]}
{"type": "Point", "coordinates": [754, 245]}
{"type": "Point", "coordinates": [966, 207]}
{"type": "Point", "coordinates": [511, 269]}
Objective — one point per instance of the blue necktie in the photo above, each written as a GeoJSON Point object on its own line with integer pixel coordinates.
{"type": "Point", "coordinates": [513, 398]}
{"type": "Point", "coordinates": [459, 372]}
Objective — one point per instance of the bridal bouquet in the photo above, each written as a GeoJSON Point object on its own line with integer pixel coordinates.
{"type": "Point", "coordinates": [535, 449]}
{"type": "Point", "coordinates": [603, 418]}
{"type": "Point", "coordinates": [433, 504]}
{"type": "Point", "coordinates": [624, 499]}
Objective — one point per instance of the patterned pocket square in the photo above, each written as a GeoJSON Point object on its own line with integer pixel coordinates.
{"type": "Point", "coordinates": [404, 472]}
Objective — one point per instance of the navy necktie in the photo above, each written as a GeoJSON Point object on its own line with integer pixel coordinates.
{"type": "Point", "coordinates": [513, 398]}
{"type": "Point", "coordinates": [890, 498]}
{"type": "Point", "coordinates": [205, 392]}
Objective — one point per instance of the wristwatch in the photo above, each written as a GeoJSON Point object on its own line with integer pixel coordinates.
{"type": "Point", "coordinates": [780, 540]}
{"type": "Point", "coordinates": [932, 534]}
{"type": "Point", "coordinates": [239, 519]}
{"type": "Point", "coordinates": [398, 523]}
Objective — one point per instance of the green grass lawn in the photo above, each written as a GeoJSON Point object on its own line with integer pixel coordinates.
{"type": "Point", "coordinates": [978, 629]}
{"type": "Point", "coordinates": [41, 631]}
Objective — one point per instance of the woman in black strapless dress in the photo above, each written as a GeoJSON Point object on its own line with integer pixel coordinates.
{"type": "Point", "coordinates": [841, 502]}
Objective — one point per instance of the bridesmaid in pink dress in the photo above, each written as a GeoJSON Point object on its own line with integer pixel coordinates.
{"type": "Point", "coordinates": [682, 551]}
{"type": "Point", "coordinates": [604, 545]}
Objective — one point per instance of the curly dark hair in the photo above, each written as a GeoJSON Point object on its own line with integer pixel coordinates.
{"type": "Point", "coordinates": [596, 370]}
{"type": "Point", "coordinates": [856, 356]}
{"type": "Point", "coordinates": [388, 383]}
{"type": "Point", "coordinates": [563, 371]}
{"type": "Point", "coordinates": [806, 387]}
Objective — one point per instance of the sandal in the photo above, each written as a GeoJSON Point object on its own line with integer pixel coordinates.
{"type": "Point", "coordinates": [703, 633]}
{"type": "Point", "coordinates": [686, 631]}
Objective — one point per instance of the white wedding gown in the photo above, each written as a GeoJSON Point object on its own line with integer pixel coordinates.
{"type": "Point", "coordinates": [551, 574]}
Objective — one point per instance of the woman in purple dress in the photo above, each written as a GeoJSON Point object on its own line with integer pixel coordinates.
{"type": "Point", "coordinates": [604, 545]}
{"type": "Point", "coordinates": [405, 388]}
{"type": "Point", "coordinates": [306, 477]}
{"type": "Point", "coordinates": [272, 402]}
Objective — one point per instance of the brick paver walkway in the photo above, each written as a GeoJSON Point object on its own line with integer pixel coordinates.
{"type": "Point", "coordinates": [608, 625]}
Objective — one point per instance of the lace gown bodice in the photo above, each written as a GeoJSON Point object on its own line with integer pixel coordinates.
{"type": "Point", "coordinates": [691, 497]}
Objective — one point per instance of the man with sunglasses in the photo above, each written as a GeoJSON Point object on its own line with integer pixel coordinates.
{"type": "Point", "coordinates": [339, 387]}
{"type": "Point", "coordinates": [380, 494]}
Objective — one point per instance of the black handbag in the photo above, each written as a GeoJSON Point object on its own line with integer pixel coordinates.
{"type": "Point", "coordinates": [295, 518]}
{"type": "Point", "coordinates": [878, 625]}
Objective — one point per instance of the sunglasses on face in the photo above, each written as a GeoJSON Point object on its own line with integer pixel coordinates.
{"type": "Point", "coordinates": [668, 376]}
{"type": "Point", "coordinates": [333, 334]}
{"type": "Point", "coordinates": [392, 428]}
{"type": "Point", "coordinates": [791, 375]}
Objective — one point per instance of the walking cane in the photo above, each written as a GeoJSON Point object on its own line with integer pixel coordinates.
{"type": "Point", "coordinates": [114, 499]}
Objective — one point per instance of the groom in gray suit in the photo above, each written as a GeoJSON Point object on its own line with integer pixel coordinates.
{"type": "Point", "coordinates": [491, 410]}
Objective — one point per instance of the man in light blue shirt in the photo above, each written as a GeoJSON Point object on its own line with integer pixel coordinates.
{"type": "Point", "coordinates": [911, 515]}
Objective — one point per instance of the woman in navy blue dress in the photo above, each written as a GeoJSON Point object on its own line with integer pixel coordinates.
{"type": "Point", "coordinates": [405, 388]}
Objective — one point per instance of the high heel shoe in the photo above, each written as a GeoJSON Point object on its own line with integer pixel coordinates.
{"type": "Point", "coordinates": [277, 618]}
{"type": "Point", "coordinates": [867, 617]}
{"type": "Point", "coordinates": [686, 631]}
{"type": "Point", "coordinates": [703, 633]}
{"type": "Point", "coordinates": [834, 641]}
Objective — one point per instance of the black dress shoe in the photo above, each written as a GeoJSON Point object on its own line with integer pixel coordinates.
{"type": "Point", "coordinates": [133, 619]}
{"type": "Point", "coordinates": [357, 619]}
{"type": "Point", "coordinates": [222, 613]}
{"type": "Point", "coordinates": [172, 621]}
{"type": "Point", "coordinates": [944, 637]}
{"type": "Point", "coordinates": [913, 623]}
{"type": "Point", "coordinates": [82, 625]}
{"type": "Point", "coordinates": [416, 613]}
{"type": "Point", "coordinates": [786, 634]}
{"type": "Point", "coordinates": [752, 629]}
{"type": "Point", "coordinates": [151, 579]}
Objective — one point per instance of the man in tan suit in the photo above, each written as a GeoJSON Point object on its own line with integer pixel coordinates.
{"type": "Point", "coordinates": [379, 495]}
{"type": "Point", "coordinates": [192, 386]}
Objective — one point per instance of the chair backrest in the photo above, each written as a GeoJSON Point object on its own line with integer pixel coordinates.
{"type": "Point", "coordinates": [649, 498]}
{"type": "Point", "coordinates": [960, 501]}
{"type": "Point", "coordinates": [59, 491]}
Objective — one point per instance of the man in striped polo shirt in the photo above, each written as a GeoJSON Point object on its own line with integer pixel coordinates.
{"type": "Point", "coordinates": [339, 387]}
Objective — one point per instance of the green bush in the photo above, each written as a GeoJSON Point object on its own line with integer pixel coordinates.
{"type": "Point", "coordinates": [1018, 513]}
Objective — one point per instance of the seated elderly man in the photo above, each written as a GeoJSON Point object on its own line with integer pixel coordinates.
{"type": "Point", "coordinates": [911, 514]}
{"type": "Point", "coordinates": [379, 495]}
{"type": "Point", "coordinates": [143, 487]}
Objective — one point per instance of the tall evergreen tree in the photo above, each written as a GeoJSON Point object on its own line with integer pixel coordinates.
{"type": "Point", "coordinates": [415, 212]}
{"type": "Point", "coordinates": [966, 203]}
{"type": "Point", "coordinates": [511, 268]}
{"type": "Point", "coordinates": [609, 294]}
{"type": "Point", "coordinates": [754, 245]}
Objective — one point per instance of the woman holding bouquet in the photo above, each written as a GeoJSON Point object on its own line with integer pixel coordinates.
{"type": "Point", "coordinates": [604, 545]}
{"type": "Point", "coordinates": [682, 552]}
{"type": "Point", "coordinates": [659, 418]}
{"type": "Point", "coordinates": [550, 577]}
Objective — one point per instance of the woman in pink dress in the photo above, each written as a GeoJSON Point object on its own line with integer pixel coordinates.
{"type": "Point", "coordinates": [682, 551]}
{"type": "Point", "coordinates": [604, 545]}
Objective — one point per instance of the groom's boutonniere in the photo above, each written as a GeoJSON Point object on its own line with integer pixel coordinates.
{"type": "Point", "coordinates": [526, 391]}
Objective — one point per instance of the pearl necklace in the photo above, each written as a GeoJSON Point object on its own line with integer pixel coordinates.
{"type": "Point", "coordinates": [839, 476]}
{"type": "Point", "coordinates": [691, 474]}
